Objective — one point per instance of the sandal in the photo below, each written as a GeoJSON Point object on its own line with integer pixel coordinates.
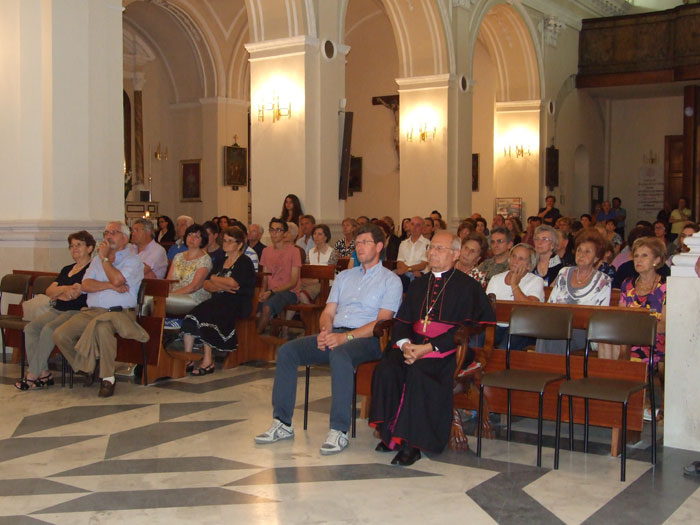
{"type": "Point", "coordinates": [203, 370]}
{"type": "Point", "coordinates": [189, 367]}
{"type": "Point", "coordinates": [47, 380]}
{"type": "Point", "coordinates": [29, 384]}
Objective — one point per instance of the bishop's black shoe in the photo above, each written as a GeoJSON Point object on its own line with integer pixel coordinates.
{"type": "Point", "coordinates": [381, 447]}
{"type": "Point", "coordinates": [406, 456]}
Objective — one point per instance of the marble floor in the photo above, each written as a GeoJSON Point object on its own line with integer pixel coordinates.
{"type": "Point", "coordinates": [183, 451]}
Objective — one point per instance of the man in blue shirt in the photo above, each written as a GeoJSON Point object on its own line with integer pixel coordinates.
{"type": "Point", "coordinates": [360, 297]}
{"type": "Point", "coordinates": [112, 283]}
{"type": "Point", "coordinates": [620, 216]}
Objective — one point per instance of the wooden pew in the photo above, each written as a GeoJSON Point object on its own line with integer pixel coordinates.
{"type": "Point", "coordinates": [249, 347]}
{"type": "Point", "coordinates": [602, 413]}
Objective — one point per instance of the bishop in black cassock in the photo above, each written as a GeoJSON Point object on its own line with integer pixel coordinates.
{"type": "Point", "coordinates": [412, 387]}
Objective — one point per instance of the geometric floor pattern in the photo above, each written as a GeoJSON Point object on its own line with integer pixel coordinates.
{"type": "Point", "coordinates": [183, 452]}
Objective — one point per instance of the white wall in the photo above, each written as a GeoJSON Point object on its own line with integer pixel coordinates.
{"type": "Point", "coordinates": [637, 127]}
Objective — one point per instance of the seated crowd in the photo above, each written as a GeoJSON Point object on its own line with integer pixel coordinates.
{"type": "Point", "coordinates": [430, 280]}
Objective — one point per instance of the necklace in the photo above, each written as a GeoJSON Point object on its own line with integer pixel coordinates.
{"type": "Point", "coordinates": [643, 286]}
{"type": "Point", "coordinates": [585, 279]}
{"type": "Point", "coordinates": [429, 307]}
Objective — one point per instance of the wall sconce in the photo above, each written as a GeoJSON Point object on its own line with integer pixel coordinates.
{"type": "Point", "coordinates": [650, 158]}
{"type": "Point", "coordinates": [159, 154]}
{"type": "Point", "coordinates": [423, 133]}
{"type": "Point", "coordinates": [277, 109]}
{"type": "Point", "coordinates": [519, 150]}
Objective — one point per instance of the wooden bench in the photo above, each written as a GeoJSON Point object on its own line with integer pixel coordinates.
{"type": "Point", "coordinates": [525, 404]}
{"type": "Point", "coordinates": [249, 347]}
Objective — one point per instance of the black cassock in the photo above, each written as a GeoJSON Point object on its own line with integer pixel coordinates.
{"type": "Point", "coordinates": [413, 403]}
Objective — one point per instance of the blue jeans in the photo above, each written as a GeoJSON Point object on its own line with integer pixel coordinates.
{"type": "Point", "coordinates": [343, 359]}
{"type": "Point", "coordinates": [279, 300]}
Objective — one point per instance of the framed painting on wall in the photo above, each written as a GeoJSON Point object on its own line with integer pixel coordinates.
{"type": "Point", "coordinates": [235, 166]}
{"type": "Point", "coordinates": [191, 180]}
{"type": "Point", "coordinates": [509, 207]}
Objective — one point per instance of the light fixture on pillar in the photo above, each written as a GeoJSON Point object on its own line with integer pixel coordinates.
{"type": "Point", "coordinates": [423, 133]}
{"type": "Point", "coordinates": [159, 154]}
{"type": "Point", "coordinates": [421, 124]}
{"type": "Point", "coordinates": [275, 107]}
{"type": "Point", "coordinates": [517, 150]}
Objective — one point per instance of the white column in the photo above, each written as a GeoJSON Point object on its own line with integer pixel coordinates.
{"type": "Point", "coordinates": [296, 154]}
{"type": "Point", "coordinates": [62, 139]}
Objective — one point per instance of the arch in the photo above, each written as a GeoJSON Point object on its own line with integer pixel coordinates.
{"type": "Point", "coordinates": [423, 35]}
{"type": "Point", "coordinates": [177, 37]}
{"type": "Point", "coordinates": [274, 19]}
{"type": "Point", "coordinates": [512, 40]}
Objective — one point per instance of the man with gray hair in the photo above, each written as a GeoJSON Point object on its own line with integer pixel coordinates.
{"type": "Point", "coordinates": [181, 224]}
{"type": "Point", "coordinates": [255, 233]}
{"type": "Point", "coordinates": [412, 387]}
{"type": "Point", "coordinates": [152, 254]}
{"type": "Point", "coordinates": [112, 283]}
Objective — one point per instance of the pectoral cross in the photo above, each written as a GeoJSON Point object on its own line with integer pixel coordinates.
{"type": "Point", "coordinates": [426, 322]}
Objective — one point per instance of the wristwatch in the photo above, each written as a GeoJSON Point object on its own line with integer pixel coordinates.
{"type": "Point", "coordinates": [105, 259]}
{"type": "Point", "coordinates": [349, 336]}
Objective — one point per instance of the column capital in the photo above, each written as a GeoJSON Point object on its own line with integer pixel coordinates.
{"type": "Point", "coordinates": [281, 46]}
{"type": "Point", "coordinates": [425, 82]}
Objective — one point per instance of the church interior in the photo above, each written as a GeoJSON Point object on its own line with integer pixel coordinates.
{"type": "Point", "coordinates": [123, 109]}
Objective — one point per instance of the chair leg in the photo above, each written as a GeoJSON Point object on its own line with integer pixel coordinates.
{"type": "Point", "coordinates": [71, 374]}
{"type": "Point", "coordinates": [585, 427]}
{"type": "Point", "coordinates": [63, 371]}
{"type": "Point", "coordinates": [571, 423]}
{"type": "Point", "coordinates": [479, 420]}
{"type": "Point", "coordinates": [652, 397]}
{"type": "Point", "coordinates": [539, 431]}
{"type": "Point", "coordinates": [306, 396]}
{"type": "Point", "coordinates": [557, 433]}
{"type": "Point", "coordinates": [144, 372]}
{"type": "Point", "coordinates": [2, 336]}
{"type": "Point", "coordinates": [508, 417]}
{"type": "Point", "coordinates": [624, 441]}
{"type": "Point", "coordinates": [354, 401]}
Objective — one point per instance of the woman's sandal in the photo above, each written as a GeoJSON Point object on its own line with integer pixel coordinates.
{"type": "Point", "coordinates": [189, 367]}
{"type": "Point", "coordinates": [34, 384]}
{"type": "Point", "coordinates": [203, 370]}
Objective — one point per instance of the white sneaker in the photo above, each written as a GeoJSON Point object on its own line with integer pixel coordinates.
{"type": "Point", "coordinates": [276, 432]}
{"type": "Point", "coordinates": [335, 442]}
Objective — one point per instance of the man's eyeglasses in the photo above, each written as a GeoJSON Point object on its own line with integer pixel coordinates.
{"type": "Point", "coordinates": [111, 232]}
{"type": "Point", "coordinates": [498, 241]}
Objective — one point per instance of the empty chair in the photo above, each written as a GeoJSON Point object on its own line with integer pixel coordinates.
{"type": "Point", "coordinates": [539, 322]}
{"type": "Point", "coordinates": [621, 328]}
{"type": "Point", "coordinates": [16, 284]}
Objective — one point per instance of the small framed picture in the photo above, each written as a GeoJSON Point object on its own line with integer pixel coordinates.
{"type": "Point", "coordinates": [235, 166]}
{"type": "Point", "coordinates": [509, 206]}
{"type": "Point", "coordinates": [191, 180]}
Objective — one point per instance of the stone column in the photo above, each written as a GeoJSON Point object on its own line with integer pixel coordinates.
{"type": "Point", "coordinates": [62, 138]}
{"type": "Point", "coordinates": [298, 153]}
{"type": "Point", "coordinates": [434, 147]}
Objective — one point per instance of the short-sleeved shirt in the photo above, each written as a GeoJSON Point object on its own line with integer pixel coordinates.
{"type": "Point", "coordinates": [176, 248]}
{"type": "Point", "coordinates": [654, 301]}
{"type": "Point", "coordinates": [130, 267]}
{"type": "Point", "coordinates": [253, 256]}
{"type": "Point", "coordinates": [154, 256]}
{"type": "Point", "coordinates": [490, 267]}
{"type": "Point", "coordinates": [595, 293]}
{"type": "Point", "coordinates": [279, 263]}
{"type": "Point", "coordinates": [411, 253]}
{"type": "Point", "coordinates": [530, 284]}
{"type": "Point", "coordinates": [360, 294]}
{"type": "Point", "coordinates": [602, 216]}
{"type": "Point", "coordinates": [306, 245]}
{"type": "Point", "coordinates": [184, 271]}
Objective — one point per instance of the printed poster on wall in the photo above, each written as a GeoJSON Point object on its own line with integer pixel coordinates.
{"type": "Point", "coordinates": [650, 192]}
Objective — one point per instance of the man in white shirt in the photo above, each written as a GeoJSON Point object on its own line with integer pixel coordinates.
{"type": "Point", "coordinates": [152, 254]}
{"type": "Point", "coordinates": [413, 254]}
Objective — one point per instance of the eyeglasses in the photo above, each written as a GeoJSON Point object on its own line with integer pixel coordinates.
{"type": "Point", "coordinates": [111, 232]}
{"type": "Point", "coordinates": [276, 230]}
{"type": "Point", "coordinates": [498, 241]}
{"type": "Point", "coordinates": [439, 249]}
{"type": "Point", "coordinates": [543, 239]}
{"type": "Point", "coordinates": [363, 243]}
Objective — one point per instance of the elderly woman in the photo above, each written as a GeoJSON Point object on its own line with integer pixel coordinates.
{"type": "Point", "coordinates": [517, 284]}
{"type": "Point", "coordinates": [231, 285]}
{"type": "Point", "coordinates": [648, 289]}
{"type": "Point", "coordinates": [190, 269]}
{"type": "Point", "coordinates": [67, 300]}
{"type": "Point", "coordinates": [346, 245]}
{"type": "Point", "coordinates": [580, 284]}
{"type": "Point", "coordinates": [548, 262]}
{"type": "Point", "coordinates": [320, 254]}
{"type": "Point", "coordinates": [474, 248]}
